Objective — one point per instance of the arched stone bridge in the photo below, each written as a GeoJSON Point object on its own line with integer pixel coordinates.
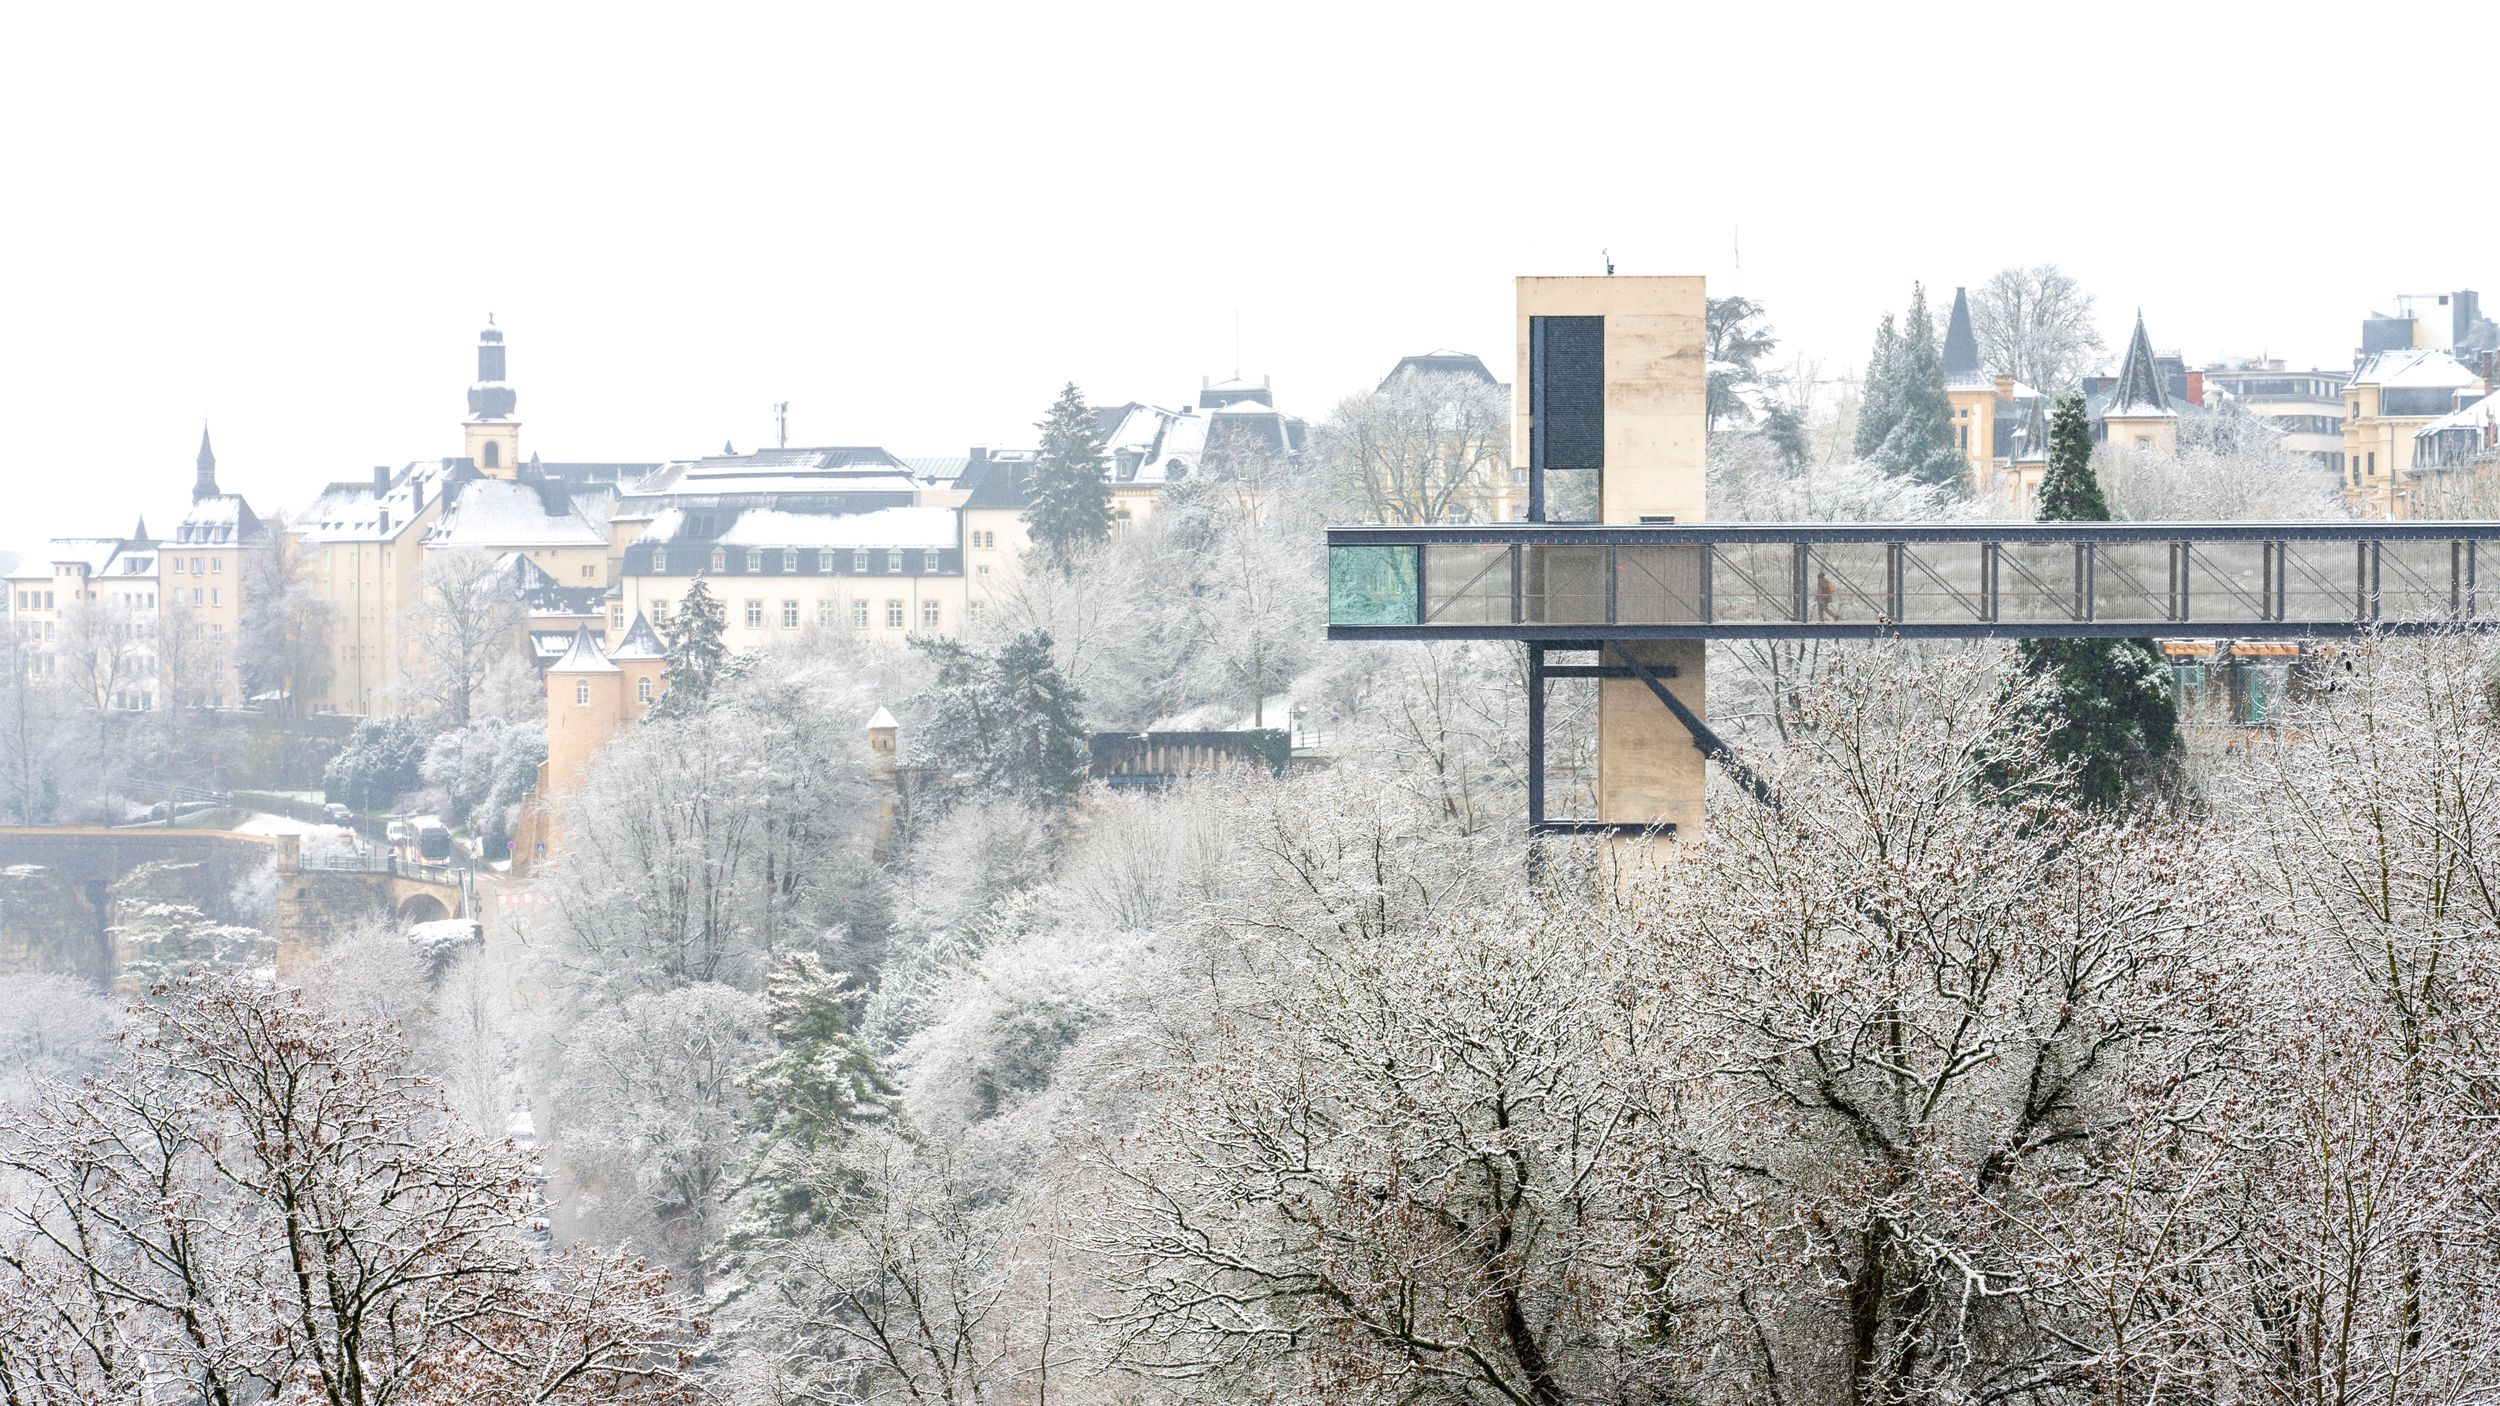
{"type": "Point", "coordinates": [55, 886]}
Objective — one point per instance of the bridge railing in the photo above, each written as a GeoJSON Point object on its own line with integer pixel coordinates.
{"type": "Point", "coordinates": [2249, 580]}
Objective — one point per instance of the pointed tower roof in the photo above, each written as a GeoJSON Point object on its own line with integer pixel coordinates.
{"type": "Point", "coordinates": [2139, 394]}
{"type": "Point", "coordinates": [140, 533]}
{"type": "Point", "coordinates": [583, 657]}
{"type": "Point", "coordinates": [2035, 434]}
{"type": "Point", "coordinates": [1961, 349]}
{"type": "Point", "coordinates": [640, 643]}
{"type": "Point", "coordinates": [881, 720]}
{"type": "Point", "coordinates": [205, 485]}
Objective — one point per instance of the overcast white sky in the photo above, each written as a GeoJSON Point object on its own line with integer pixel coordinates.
{"type": "Point", "coordinates": [916, 221]}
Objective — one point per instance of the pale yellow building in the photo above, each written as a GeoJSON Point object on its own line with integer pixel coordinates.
{"type": "Point", "coordinates": [202, 569]}
{"type": "Point", "coordinates": [2391, 396]}
{"type": "Point", "coordinates": [1999, 424]}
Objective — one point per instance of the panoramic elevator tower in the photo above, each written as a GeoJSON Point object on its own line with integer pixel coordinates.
{"type": "Point", "coordinates": [1611, 404]}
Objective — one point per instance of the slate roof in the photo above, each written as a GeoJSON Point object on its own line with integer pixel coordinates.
{"type": "Point", "coordinates": [1441, 362]}
{"type": "Point", "coordinates": [998, 484]}
{"type": "Point", "coordinates": [583, 657]}
{"type": "Point", "coordinates": [220, 519]}
{"type": "Point", "coordinates": [2139, 393]}
{"type": "Point", "coordinates": [641, 642]}
{"type": "Point", "coordinates": [498, 512]}
{"type": "Point", "coordinates": [1961, 348]}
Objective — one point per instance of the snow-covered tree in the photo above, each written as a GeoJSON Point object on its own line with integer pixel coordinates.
{"type": "Point", "coordinates": [284, 644]}
{"type": "Point", "coordinates": [1917, 441]}
{"type": "Point", "coordinates": [384, 759]}
{"type": "Point", "coordinates": [486, 770]}
{"type": "Point", "coordinates": [1736, 339]}
{"type": "Point", "coordinates": [1424, 447]}
{"type": "Point", "coordinates": [1069, 502]}
{"type": "Point", "coordinates": [2035, 324]}
{"type": "Point", "coordinates": [260, 1204]}
{"type": "Point", "coordinates": [1006, 718]}
{"type": "Point", "coordinates": [466, 618]}
{"type": "Point", "coordinates": [53, 1028]}
{"type": "Point", "coordinates": [2232, 470]}
{"type": "Point", "coordinates": [34, 735]}
{"type": "Point", "coordinates": [1879, 398]}
{"type": "Point", "coordinates": [698, 660]}
{"type": "Point", "coordinates": [2110, 710]}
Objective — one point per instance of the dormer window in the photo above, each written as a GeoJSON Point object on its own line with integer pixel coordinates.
{"type": "Point", "coordinates": [929, 561]}
{"type": "Point", "coordinates": [755, 560]}
{"type": "Point", "coordinates": [859, 561]}
{"type": "Point", "coordinates": [720, 560]}
{"type": "Point", "coordinates": [790, 559]}
{"type": "Point", "coordinates": [893, 559]}
{"type": "Point", "coordinates": [659, 560]}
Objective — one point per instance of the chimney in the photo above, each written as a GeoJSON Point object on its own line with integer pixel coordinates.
{"type": "Point", "coordinates": [2005, 388]}
{"type": "Point", "coordinates": [382, 521]}
{"type": "Point", "coordinates": [979, 459]}
{"type": "Point", "coordinates": [381, 479]}
{"type": "Point", "coordinates": [2196, 387]}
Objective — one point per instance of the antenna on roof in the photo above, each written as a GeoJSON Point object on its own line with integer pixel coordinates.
{"type": "Point", "coordinates": [781, 416]}
{"type": "Point", "coordinates": [1236, 344]}
{"type": "Point", "coordinates": [1609, 256]}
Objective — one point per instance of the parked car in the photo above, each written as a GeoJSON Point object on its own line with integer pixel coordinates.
{"type": "Point", "coordinates": [339, 814]}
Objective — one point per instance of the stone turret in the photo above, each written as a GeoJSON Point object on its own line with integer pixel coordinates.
{"type": "Point", "coordinates": [2139, 415]}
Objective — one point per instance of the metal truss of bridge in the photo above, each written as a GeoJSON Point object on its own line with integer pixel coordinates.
{"type": "Point", "coordinates": [1589, 592]}
{"type": "Point", "coordinates": [1550, 583]}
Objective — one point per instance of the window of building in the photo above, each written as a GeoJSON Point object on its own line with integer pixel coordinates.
{"type": "Point", "coordinates": [590, 573]}
{"type": "Point", "coordinates": [196, 594]}
{"type": "Point", "coordinates": [859, 615]}
{"type": "Point", "coordinates": [755, 615]}
{"type": "Point", "coordinates": [720, 560]}
{"type": "Point", "coordinates": [195, 567]}
{"type": "Point", "coordinates": [790, 559]}
{"type": "Point", "coordinates": [789, 615]}
{"type": "Point", "coordinates": [616, 617]}
{"type": "Point", "coordinates": [581, 693]}
{"type": "Point", "coordinates": [928, 561]}
{"type": "Point", "coordinates": [893, 559]}
{"type": "Point", "coordinates": [659, 612]}
{"type": "Point", "coordinates": [755, 560]}
{"type": "Point", "coordinates": [642, 691]}
{"type": "Point", "coordinates": [972, 609]}
{"type": "Point", "coordinates": [494, 455]}
{"type": "Point", "coordinates": [859, 561]}
{"type": "Point", "coordinates": [824, 562]}
{"type": "Point", "coordinates": [177, 565]}
{"type": "Point", "coordinates": [824, 614]}
{"type": "Point", "coordinates": [894, 615]}
{"type": "Point", "coordinates": [982, 570]}
{"type": "Point", "coordinates": [2373, 463]}
{"type": "Point", "coordinates": [216, 566]}
{"type": "Point", "coordinates": [659, 561]}
{"type": "Point", "coordinates": [928, 615]}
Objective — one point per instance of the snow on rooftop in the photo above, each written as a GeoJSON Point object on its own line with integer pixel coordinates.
{"type": "Point", "coordinates": [2418, 366]}
{"type": "Point", "coordinates": [493, 512]}
{"type": "Point", "coordinates": [2479, 415]}
{"type": "Point", "coordinates": [772, 527]}
{"type": "Point", "coordinates": [881, 719]}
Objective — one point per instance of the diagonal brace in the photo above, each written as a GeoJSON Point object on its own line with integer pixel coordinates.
{"type": "Point", "coordinates": [1706, 742]}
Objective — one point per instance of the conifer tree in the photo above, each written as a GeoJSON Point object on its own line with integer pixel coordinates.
{"type": "Point", "coordinates": [1876, 407]}
{"type": "Point", "coordinates": [821, 1084]}
{"type": "Point", "coordinates": [1009, 720]}
{"type": "Point", "coordinates": [2111, 712]}
{"type": "Point", "coordinates": [698, 658]}
{"type": "Point", "coordinates": [1918, 444]}
{"type": "Point", "coordinates": [1070, 505]}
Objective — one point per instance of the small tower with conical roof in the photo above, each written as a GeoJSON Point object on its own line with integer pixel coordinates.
{"type": "Point", "coordinates": [204, 484]}
{"type": "Point", "coordinates": [585, 707]}
{"type": "Point", "coordinates": [492, 435]}
{"type": "Point", "coordinates": [1973, 396]}
{"type": "Point", "coordinates": [644, 663]}
{"type": "Point", "coordinates": [2139, 415]}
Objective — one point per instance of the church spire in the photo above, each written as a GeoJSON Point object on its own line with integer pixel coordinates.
{"type": "Point", "coordinates": [2139, 393]}
{"type": "Point", "coordinates": [490, 398]}
{"type": "Point", "coordinates": [205, 486]}
{"type": "Point", "coordinates": [1961, 346]}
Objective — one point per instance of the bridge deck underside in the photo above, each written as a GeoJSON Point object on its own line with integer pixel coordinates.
{"type": "Point", "coordinates": [1538, 582]}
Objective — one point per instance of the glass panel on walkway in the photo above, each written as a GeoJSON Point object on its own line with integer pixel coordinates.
{"type": "Point", "coordinates": [2322, 580]}
{"type": "Point", "coordinates": [1753, 583]}
{"type": "Point", "coordinates": [1659, 585]}
{"type": "Point", "coordinates": [2135, 581]}
{"type": "Point", "coordinates": [1564, 585]}
{"type": "Point", "coordinates": [1466, 583]}
{"type": "Point", "coordinates": [2037, 581]}
{"type": "Point", "coordinates": [1849, 583]}
{"type": "Point", "coordinates": [2227, 582]}
{"type": "Point", "coordinates": [1371, 585]}
{"type": "Point", "coordinates": [2417, 581]}
{"type": "Point", "coordinates": [1944, 583]}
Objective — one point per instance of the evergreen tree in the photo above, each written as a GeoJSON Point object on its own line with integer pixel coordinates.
{"type": "Point", "coordinates": [820, 1085]}
{"type": "Point", "coordinates": [1010, 720]}
{"type": "Point", "coordinates": [698, 659]}
{"type": "Point", "coordinates": [1786, 431]}
{"type": "Point", "coordinates": [1918, 444]}
{"type": "Point", "coordinates": [1070, 507]}
{"type": "Point", "coordinates": [2110, 710]}
{"type": "Point", "coordinates": [1876, 408]}
{"type": "Point", "coordinates": [1738, 339]}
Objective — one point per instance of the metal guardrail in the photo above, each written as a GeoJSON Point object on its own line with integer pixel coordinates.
{"type": "Point", "coordinates": [1555, 582]}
